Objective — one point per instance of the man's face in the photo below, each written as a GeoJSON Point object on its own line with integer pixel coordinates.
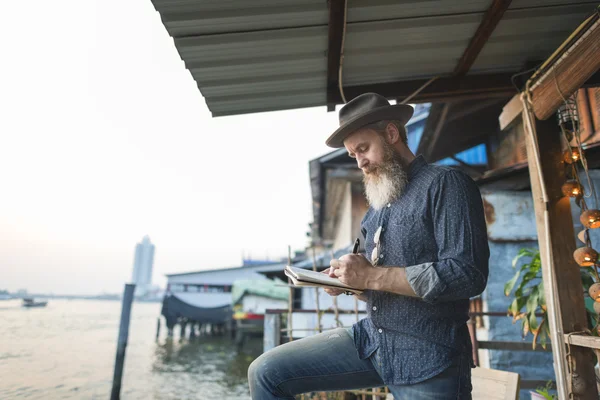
{"type": "Point", "coordinates": [368, 148]}
{"type": "Point", "coordinates": [383, 175]}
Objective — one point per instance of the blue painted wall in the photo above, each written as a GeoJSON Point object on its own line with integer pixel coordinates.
{"type": "Point", "coordinates": [529, 365]}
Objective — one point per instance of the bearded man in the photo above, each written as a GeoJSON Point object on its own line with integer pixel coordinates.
{"type": "Point", "coordinates": [427, 255]}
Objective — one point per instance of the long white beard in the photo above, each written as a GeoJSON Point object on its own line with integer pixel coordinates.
{"type": "Point", "coordinates": [385, 185]}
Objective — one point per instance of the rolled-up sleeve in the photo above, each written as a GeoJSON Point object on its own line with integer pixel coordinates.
{"type": "Point", "coordinates": [461, 268]}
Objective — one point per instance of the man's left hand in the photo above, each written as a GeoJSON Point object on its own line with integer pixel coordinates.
{"type": "Point", "coordinates": [355, 270]}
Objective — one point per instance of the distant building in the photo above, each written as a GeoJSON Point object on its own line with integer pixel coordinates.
{"type": "Point", "coordinates": [142, 266]}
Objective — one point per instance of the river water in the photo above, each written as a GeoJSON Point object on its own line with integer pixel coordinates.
{"type": "Point", "coordinates": [67, 351]}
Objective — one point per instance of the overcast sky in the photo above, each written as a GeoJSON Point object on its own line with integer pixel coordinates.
{"type": "Point", "coordinates": [104, 138]}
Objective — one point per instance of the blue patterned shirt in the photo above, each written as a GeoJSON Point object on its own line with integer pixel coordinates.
{"type": "Point", "coordinates": [436, 230]}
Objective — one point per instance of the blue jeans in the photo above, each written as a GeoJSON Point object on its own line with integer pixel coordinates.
{"type": "Point", "coordinates": [329, 362]}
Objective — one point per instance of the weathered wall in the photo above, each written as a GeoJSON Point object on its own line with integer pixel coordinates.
{"type": "Point", "coordinates": [343, 227]}
{"type": "Point", "coordinates": [511, 226]}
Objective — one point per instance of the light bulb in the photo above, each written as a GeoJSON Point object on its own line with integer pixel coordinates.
{"type": "Point", "coordinates": [594, 292]}
{"type": "Point", "coordinates": [585, 256]}
{"type": "Point", "coordinates": [590, 218]}
{"type": "Point", "coordinates": [572, 156]}
{"type": "Point", "coordinates": [571, 188]}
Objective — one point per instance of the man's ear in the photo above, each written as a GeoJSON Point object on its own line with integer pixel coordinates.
{"type": "Point", "coordinates": [391, 133]}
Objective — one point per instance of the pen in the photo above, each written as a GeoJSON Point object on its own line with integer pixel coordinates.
{"type": "Point", "coordinates": [356, 244]}
{"type": "Point", "coordinates": [354, 251]}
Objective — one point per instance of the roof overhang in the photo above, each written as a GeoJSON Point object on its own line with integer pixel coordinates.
{"type": "Point", "coordinates": [271, 55]}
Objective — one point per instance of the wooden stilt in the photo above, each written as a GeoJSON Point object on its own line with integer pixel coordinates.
{"type": "Point", "coordinates": [157, 328]}
{"type": "Point", "coordinates": [182, 324]}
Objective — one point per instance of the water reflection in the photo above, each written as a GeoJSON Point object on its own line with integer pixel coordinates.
{"type": "Point", "coordinates": [204, 361]}
{"type": "Point", "coordinates": [74, 358]}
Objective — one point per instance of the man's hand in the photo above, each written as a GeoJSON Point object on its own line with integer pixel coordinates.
{"type": "Point", "coordinates": [356, 271]}
{"type": "Point", "coordinates": [331, 292]}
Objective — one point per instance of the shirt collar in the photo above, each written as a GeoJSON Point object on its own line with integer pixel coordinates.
{"type": "Point", "coordinates": [416, 165]}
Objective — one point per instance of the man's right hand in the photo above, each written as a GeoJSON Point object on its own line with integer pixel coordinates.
{"type": "Point", "coordinates": [331, 292]}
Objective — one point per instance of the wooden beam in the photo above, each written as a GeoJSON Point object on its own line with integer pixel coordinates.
{"type": "Point", "coordinates": [442, 89]}
{"type": "Point", "coordinates": [490, 20]}
{"type": "Point", "coordinates": [513, 346]}
{"type": "Point", "coordinates": [511, 112]}
{"type": "Point", "coordinates": [591, 342]}
{"type": "Point", "coordinates": [334, 49]}
{"type": "Point", "coordinates": [434, 124]}
{"type": "Point", "coordinates": [579, 63]}
{"type": "Point", "coordinates": [562, 282]}
{"type": "Point", "coordinates": [469, 108]}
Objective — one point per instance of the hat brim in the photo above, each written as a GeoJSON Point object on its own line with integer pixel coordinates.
{"type": "Point", "coordinates": [399, 112]}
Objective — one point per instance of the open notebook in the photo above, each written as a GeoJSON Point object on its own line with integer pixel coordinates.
{"type": "Point", "coordinates": [302, 277]}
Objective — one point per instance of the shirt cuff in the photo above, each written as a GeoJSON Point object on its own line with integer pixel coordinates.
{"type": "Point", "coordinates": [425, 281]}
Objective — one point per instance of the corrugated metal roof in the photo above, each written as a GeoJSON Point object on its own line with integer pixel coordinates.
{"type": "Point", "coordinates": [272, 54]}
{"type": "Point", "coordinates": [530, 34]}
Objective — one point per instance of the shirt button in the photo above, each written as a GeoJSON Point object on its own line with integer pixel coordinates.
{"type": "Point", "coordinates": [389, 205]}
{"type": "Point", "coordinates": [374, 308]}
{"type": "Point", "coordinates": [381, 256]}
{"type": "Point", "coordinates": [380, 330]}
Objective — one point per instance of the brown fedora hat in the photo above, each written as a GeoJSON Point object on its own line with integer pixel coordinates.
{"type": "Point", "coordinates": [363, 110]}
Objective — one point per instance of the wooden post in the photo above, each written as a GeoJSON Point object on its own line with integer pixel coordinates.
{"type": "Point", "coordinates": [182, 324]}
{"type": "Point", "coordinates": [336, 310]}
{"type": "Point", "coordinates": [122, 341]}
{"type": "Point", "coordinates": [272, 331]}
{"type": "Point", "coordinates": [471, 325]}
{"type": "Point", "coordinates": [562, 281]}
{"type": "Point", "coordinates": [157, 328]}
{"type": "Point", "coordinates": [290, 300]}
{"type": "Point", "coordinates": [314, 257]}
{"type": "Point", "coordinates": [192, 329]}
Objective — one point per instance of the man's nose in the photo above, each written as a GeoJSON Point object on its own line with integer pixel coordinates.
{"type": "Point", "coordinates": [362, 162]}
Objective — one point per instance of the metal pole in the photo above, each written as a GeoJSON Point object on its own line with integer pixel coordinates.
{"type": "Point", "coordinates": [122, 341]}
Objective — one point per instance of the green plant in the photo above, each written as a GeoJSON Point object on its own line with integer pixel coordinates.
{"type": "Point", "coordinates": [529, 294]}
{"type": "Point", "coordinates": [545, 391]}
{"type": "Point", "coordinates": [529, 303]}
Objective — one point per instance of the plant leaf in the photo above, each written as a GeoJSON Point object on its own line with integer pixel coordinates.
{"type": "Point", "coordinates": [586, 278]}
{"type": "Point", "coordinates": [532, 301]}
{"type": "Point", "coordinates": [508, 287]}
{"type": "Point", "coordinates": [533, 324]}
{"type": "Point", "coordinates": [521, 301]}
{"type": "Point", "coordinates": [525, 327]}
{"type": "Point", "coordinates": [515, 307]}
{"type": "Point", "coordinates": [520, 254]}
{"type": "Point", "coordinates": [528, 277]}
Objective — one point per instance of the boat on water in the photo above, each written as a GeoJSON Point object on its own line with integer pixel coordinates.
{"type": "Point", "coordinates": [29, 302]}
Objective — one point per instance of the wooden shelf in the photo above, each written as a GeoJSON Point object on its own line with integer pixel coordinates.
{"type": "Point", "coordinates": [591, 342]}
